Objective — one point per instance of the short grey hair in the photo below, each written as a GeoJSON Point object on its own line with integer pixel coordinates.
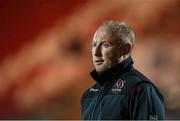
{"type": "Point", "coordinates": [122, 31]}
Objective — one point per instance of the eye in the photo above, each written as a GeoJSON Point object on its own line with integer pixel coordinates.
{"type": "Point", "coordinates": [106, 45]}
{"type": "Point", "coordinates": [93, 44]}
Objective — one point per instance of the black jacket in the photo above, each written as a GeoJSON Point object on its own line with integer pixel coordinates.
{"type": "Point", "coordinates": [122, 92]}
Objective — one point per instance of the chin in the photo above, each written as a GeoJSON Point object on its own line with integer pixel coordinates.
{"type": "Point", "coordinates": [100, 70]}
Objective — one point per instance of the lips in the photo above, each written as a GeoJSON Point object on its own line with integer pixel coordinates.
{"type": "Point", "coordinates": [99, 62]}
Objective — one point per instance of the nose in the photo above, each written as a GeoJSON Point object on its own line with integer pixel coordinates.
{"type": "Point", "coordinates": [97, 51]}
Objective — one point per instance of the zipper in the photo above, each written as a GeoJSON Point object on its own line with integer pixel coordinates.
{"type": "Point", "coordinates": [97, 101]}
{"type": "Point", "coordinates": [101, 95]}
{"type": "Point", "coordinates": [99, 116]}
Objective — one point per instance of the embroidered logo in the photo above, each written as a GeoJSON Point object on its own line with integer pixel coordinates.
{"type": "Point", "coordinates": [93, 90]}
{"type": "Point", "coordinates": [118, 85]}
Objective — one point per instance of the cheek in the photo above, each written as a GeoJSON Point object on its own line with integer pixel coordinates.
{"type": "Point", "coordinates": [108, 55]}
{"type": "Point", "coordinates": [110, 52]}
{"type": "Point", "coordinates": [92, 51]}
{"type": "Point", "coordinates": [111, 57]}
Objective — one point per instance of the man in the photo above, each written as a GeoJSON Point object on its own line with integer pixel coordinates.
{"type": "Point", "coordinates": [121, 92]}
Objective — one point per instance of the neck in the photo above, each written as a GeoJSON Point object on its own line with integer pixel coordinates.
{"type": "Point", "coordinates": [107, 75]}
{"type": "Point", "coordinates": [122, 58]}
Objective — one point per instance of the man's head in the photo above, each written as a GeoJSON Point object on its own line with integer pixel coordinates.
{"type": "Point", "coordinates": [112, 43]}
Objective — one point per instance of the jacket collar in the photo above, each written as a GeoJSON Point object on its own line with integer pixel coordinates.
{"type": "Point", "coordinates": [113, 72]}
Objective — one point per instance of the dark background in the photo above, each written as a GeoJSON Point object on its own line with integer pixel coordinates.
{"type": "Point", "coordinates": [45, 52]}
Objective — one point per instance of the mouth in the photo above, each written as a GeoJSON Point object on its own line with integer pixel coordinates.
{"type": "Point", "coordinates": [99, 62]}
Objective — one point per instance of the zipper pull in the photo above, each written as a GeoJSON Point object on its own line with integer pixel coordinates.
{"type": "Point", "coordinates": [102, 88]}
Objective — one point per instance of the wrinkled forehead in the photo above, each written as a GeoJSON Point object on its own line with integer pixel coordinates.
{"type": "Point", "coordinates": [103, 33]}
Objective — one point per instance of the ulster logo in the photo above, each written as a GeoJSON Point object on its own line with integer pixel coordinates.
{"type": "Point", "coordinates": [118, 85]}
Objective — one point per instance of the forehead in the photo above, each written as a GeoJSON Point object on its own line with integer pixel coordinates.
{"type": "Point", "coordinates": [103, 34]}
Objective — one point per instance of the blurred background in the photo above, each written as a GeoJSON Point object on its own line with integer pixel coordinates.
{"type": "Point", "coordinates": [45, 52]}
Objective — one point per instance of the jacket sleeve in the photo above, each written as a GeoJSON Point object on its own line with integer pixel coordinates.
{"type": "Point", "coordinates": [146, 103]}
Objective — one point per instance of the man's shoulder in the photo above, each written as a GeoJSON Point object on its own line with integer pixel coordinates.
{"type": "Point", "coordinates": [144, 86]}
{"type": "Point", "coordinates": [136, 80]}
{"type": "Point", "coordinates": [134, 74]}
{"type": "Point", "coordinates": [147, 89]}
{"type": "Point", "coordinates": [141, 81]}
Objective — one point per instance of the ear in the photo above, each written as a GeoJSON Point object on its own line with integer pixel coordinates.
{"type": "Point", "coordinates": [125, 49]}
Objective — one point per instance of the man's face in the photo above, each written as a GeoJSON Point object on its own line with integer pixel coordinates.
{"type": "Point", "coordinates": [105, 49]}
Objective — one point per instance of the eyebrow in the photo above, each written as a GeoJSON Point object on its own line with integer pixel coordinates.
{"type": "Point", "coordinates": [102, 42]}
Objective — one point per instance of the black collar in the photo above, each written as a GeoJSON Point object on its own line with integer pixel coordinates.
{"type": "Point", "coordinates": [113, 72]}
